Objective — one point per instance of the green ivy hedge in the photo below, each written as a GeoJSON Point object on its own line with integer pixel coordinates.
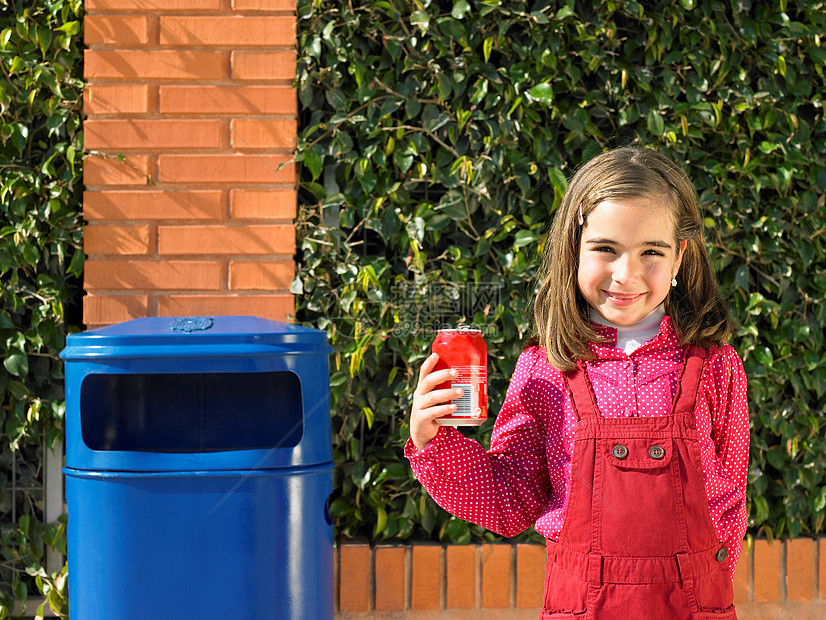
{"type": "Point", "coordinates": [40, 196]}
{"type": "Point", "coordinates": [436, 139]}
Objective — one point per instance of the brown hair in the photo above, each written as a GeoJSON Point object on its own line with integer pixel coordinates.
{"type": "Point", "coordinates": [561, 315]}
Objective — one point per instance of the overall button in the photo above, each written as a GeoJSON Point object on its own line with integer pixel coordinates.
{"type": "Point", "coordinates": [656, 452]}
{"type": "Point", "coordinates": [619, 451]}
{"type": "Point", "coordinates": [721, 555]}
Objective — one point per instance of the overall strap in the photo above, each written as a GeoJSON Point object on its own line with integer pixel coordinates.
{"type": "Point", "coordinates": [688, 387]}
{"type": "Point", "coordinates": [582, 394]}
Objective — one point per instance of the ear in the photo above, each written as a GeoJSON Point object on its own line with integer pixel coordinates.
{"type": "Point", "coordinates": [678, 262]}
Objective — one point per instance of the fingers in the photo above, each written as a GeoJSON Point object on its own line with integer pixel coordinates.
{"type": "Point", "coordinates": [428, 380]}
{"type": "Point", "coordinates": [436, 397]}
{"type": "Point", "coordinates": [434, 413]}
{"type": "Point", "coordinates": [427, 366]}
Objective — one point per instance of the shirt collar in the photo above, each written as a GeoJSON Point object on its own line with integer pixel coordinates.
{"type": "Point", "coordinates": [666, 336]}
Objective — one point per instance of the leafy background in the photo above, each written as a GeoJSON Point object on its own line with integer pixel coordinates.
{"type": "Point", "coordinates": [436, 139]}
{"type": "Point", "coordinates": [40, 261]}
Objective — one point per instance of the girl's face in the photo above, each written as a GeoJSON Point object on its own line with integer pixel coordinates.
{"type": "Point", "coordinates": [627, 257]}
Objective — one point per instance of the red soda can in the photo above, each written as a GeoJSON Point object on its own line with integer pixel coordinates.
{"type": "Point", "coordinates": [465, 351]}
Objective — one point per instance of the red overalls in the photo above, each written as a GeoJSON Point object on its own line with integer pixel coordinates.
{"type": "Point", "coordinates": [637, 541]}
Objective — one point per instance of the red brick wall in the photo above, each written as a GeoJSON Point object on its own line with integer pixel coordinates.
{"type": "Point", "coordinates": [783, 580]}
{"type": "Point", "coordinates": [190, 111]}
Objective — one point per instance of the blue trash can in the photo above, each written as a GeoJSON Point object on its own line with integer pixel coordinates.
{"type": "Point", "coordinates": [198, 470]}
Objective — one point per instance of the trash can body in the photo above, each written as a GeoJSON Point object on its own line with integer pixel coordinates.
{"type": "Point", "coordinates": [198, 471]}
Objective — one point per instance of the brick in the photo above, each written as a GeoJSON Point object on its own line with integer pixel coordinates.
{"type": "Point", "coordinates": [121, 240]}
{"type": "Point", "coordinates": [236, 31]}
{"type": "Point", "coordinates": [153, 205]}
{"type": "Point", "coordinates": [101, 310]}
{"type": "Point", "coordinates": [246, 240]}
{"type": "Point", "coordinates": [226, 169]}
{"type": "Point", "coordinates": [264, 134]}
{"type": "Point", "coordinates": [530, 575]}
{"type": "Point", "coordinates": [821, 558]}
{"type": "Point", "coordinates": [461, 577]}
{"type": "Point", "coordinates": [115, 99]}
{"type": "Point", "coordinates": [354, 571]}
{"type": "Point", "coordinates": [742, 576]}
{"type": "Point", "coordinates": [124, 134]}
{"type": "Point", "coordinates": [800, 573]}
{"type": "Point", "coordinates": [264, 5]}
{"type": "Point", "coordinates": [390, 585]}
{"type": "Point", "coordinates": [261, 276]}
{"type": "Point", "coordinates": [767, 571]}
{"type": "Point", "coordinates": [426, 577]}
{"type": "Point", "coordinates": [263, 66]}
{"type": "Point", "coordinates": [336, 580]}
{"type": "Point", "coordinates": [274, 204]}
{"type": "Point", "coordinates": [149, 275]}
{"type": "Point", "coordinates": [496, 576]}
{"type": "Point", "coordinates": [121, 30]}
{"type": "Point", "coordinates": [228, 100]}
{"type": "Point", "coordinates": [98, 170]}
{"type": "Point", "coordinates": [155, 64]}
{"type": "Point", "coordinates": [278, 307]}
{"type": "Point", "coordinates": [152, 5]}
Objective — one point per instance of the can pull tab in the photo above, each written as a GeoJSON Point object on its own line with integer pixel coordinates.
{"type": "Point", "coordinates": [191, 324]}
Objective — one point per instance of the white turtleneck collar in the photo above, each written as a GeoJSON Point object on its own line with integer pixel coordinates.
{"type": "Point", "coordinates": [632, 337]}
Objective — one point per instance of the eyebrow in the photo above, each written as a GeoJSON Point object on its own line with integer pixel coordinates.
{"type": "Point", "coordinates": [607, 241]}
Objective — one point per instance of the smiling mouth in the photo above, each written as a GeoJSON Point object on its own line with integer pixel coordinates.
{"type": "Point", "coordinates": [623, 299]}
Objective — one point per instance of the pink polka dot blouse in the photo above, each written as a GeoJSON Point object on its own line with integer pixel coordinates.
{"type": "Point", "coordinates": [525, 477]}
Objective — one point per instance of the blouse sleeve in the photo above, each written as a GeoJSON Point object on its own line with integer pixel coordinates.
{"type": "Point", "coordinates": [730, 434]}
{"type": "Point", "coordinates": [504, 489]}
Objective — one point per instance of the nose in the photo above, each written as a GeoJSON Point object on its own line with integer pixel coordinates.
{"type": "Point", "coordinates": [626, 269]}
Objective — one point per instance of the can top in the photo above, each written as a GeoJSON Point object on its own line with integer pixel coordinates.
{"type": "Point", "coordinates": [462, 329]}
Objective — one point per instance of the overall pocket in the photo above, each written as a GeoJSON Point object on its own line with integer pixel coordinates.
{"type": "Point", "coordinates": [564, 593]}
{"type": "Point", "coordinates": [714, 592]}
{"type": "Point", "coordinates": [637, 490]}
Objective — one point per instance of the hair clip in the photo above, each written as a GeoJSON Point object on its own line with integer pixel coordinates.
{"type": "Point", "coordinates": [581, 219]}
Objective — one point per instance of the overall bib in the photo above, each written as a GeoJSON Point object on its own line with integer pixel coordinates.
{"type": "Point", "coordinates": [637, 541]}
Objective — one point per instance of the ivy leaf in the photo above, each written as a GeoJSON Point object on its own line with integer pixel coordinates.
{"type": "Point", "coordinates": [458, 532]}
{"type": "Point", "coordinates": [558, 181]}
{"type": "Point", "coordinates": [564, 13]}
{"type": "Point", "coordinates": [741, 278]}
{"type": "Point", "coordinates": [313, 161]}
{"type": "Point", "coordinates": [17, 363]}
{"type": "Point", "coordinates": [543, 93]}
{"type": "Point", "coordinates": [656, 124]}
{"type": "Point", "coordinates": [420, 19]}
{"type": "Point", "coordinates": [460, 8]}
{"type": "Point", "coordinates": [523, 238]}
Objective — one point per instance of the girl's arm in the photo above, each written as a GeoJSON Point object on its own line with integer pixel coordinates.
{"type": "Point", "coordinates": [504, 490]}
{"type": "Point", "coordinates": [730, 434]}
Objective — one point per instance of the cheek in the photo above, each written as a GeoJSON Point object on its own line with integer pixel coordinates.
{"type": "Point", "coordinates": [660, 271]}
{"type": "Point", "coordinates": [589, 274]}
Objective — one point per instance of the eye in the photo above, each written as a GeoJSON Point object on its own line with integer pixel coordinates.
{"type": "Point", "coordinates": [653, 253]}
{"type": "Point", "coordinates": [602, 248]}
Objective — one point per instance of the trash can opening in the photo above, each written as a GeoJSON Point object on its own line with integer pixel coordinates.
{"type": "Point", "coordinates": [191, 412]}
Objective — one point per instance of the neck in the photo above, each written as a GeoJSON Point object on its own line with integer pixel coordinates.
{"type": "Point", "coordinates": [632, 337]}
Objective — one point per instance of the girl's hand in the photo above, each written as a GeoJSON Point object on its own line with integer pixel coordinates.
{"type": "Point", "coordinates": [427, 402]}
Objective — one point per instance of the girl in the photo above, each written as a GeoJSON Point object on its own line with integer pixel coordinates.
{"type": "Point", "coordinates": [624, 433]}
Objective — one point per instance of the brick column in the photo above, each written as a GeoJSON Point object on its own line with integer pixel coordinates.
{"type": "Point", "coordinates": [190, 115]}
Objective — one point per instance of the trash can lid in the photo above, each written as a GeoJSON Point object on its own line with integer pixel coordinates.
{"type": "Point", "coordinates": [185, 336]}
